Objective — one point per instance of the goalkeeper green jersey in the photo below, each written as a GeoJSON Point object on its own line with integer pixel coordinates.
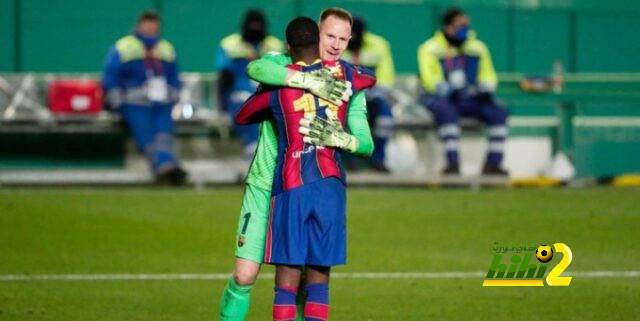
{"type": "Point", "coordinates": [263, 165]}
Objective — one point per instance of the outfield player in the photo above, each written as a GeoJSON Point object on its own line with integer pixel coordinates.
{"type": "Point", "coordinates": [307, 224]}
{"type": "Point", "coordinates": [335, 32]}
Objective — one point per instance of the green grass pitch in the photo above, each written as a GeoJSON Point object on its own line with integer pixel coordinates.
{"type": "Point", "coordinates": [137, 230]}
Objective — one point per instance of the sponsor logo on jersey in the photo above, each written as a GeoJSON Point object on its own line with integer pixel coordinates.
{"type": "Point", "coordinates": [308, 149]}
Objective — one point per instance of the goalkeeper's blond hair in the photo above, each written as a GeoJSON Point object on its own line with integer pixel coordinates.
{"type": "Point", "coordinates": [338, 13]}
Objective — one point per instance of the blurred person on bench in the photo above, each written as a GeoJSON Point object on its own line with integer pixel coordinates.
{"type": "Point", "coordinates": [458, 80]}
{"type": "Point", "coordinates": [235, 52]}
{"type": "Point", "coordinates": [141, 81]}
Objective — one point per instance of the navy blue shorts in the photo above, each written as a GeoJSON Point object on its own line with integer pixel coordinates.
{"type": "Point", "coordinates": [307, 225]}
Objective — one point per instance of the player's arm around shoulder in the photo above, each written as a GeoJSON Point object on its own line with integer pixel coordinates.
{"type": "Point", "coordinates": [254, 109]}
{"type": "Point", "coordinates": [361, 78]}
{"type": "Point", "coordinates": [357, 121]}
{"type": "Point", "coordinates": [270, 69]}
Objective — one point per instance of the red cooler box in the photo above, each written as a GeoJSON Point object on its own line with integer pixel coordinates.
{"type": "Point", "coordinates": [71, 96]}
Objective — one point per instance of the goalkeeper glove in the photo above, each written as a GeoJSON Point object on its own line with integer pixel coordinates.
{"type": "Point", "coordinates": [322, 84]}
{"type": "Point", "coordinates": [327, 132]}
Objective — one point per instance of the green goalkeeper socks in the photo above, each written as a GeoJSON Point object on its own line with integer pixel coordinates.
{"type": "Point", "coordinates": [236, 298]}
{"type": "Point", "coordinates": [235, 301]}
{"type": "Point", "coordinates": [300, 301]}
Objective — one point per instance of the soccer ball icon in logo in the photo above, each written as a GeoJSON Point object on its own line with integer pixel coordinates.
{"type": "Point", "coordinates": [544, 253]}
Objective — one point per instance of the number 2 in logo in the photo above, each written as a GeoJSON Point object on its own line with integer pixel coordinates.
{"type": "Point", "coordinates": [554, 278]}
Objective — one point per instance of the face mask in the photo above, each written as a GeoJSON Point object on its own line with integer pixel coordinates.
{"type": "Point", "coordinates": [462, 33]}
{"type": "Point", "coordinates": [253, 35]}
{"type": "Point", "coordinates": [147, 40]}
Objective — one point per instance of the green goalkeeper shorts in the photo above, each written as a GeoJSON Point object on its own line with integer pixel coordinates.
{"type": "Point", "coordinates": [252, 224]}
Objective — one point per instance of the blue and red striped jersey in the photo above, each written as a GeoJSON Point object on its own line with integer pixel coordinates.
{"type": "Point", "coordinates": [299, 163]}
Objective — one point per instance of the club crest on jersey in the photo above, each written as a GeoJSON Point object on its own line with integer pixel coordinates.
{"type": "Point", "coordinates": [241, 240]}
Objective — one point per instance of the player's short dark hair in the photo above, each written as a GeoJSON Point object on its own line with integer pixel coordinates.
{"type": "Point", "coordinates": [450, 14]}
{"type": "Point", "coordinates": [302, 32]}
{"type": "Point", "coordinates": [338, 13]}
{"type": "Point", "coordinates": [148, 15]}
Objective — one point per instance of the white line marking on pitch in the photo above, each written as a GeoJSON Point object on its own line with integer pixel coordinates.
{"type": "Point", "coordinates": [336, 275]}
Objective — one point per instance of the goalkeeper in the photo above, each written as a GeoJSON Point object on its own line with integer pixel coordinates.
{"type": "Point", "coordinates": [335, 32]}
